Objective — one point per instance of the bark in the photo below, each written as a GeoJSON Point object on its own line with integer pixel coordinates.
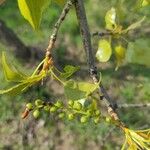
{"type": "Point", "coordinates": [86, 38]}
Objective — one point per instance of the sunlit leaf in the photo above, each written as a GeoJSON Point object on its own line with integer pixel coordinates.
{"type": "Point", "coordinates": [11, 74]}
{"type": "Point", "coordinates": [32, 10]}
{"type": "Point", "coordinates": [104, 51]}
{"type": "Point", "coordinates": [60, 2]}
{"type": "Point", "coordinates": [15, 89]}
{"type": "Point", "coordinates": [87, 87]}
{"type": "Point", "coordinates": [138, 52]}
{"type": "Point", "coordinates": [110, 19]}
{"type": "Point", "coordinates": [36, 78]}
{"type": "Point", "coordinates": [120, 55]}
{"type": "Point", "coordinates": [78, 90]}
{"type": "Point", "coordinates": [145, 3]}
{"type": "Point", "coordinates": [72, 92]}
{"type": "Point", "coordinates": [18, 88]}
{"type": "Point", "coordinates": [135, 141]}
{"type": "Point", "coordinates": [69, 71]}
{"type": "Point", "coordinates": [134, 25]}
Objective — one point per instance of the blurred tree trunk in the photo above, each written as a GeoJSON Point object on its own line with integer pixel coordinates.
{"type": "Point", "coordinates": [20, 50]}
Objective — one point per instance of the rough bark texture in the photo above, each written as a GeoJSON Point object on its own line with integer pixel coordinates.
{"type": "Point", "coordinates": [86, 37]}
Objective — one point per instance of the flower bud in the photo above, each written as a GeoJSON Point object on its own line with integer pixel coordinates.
{"type": "Point", "coordinates": [70, 103]}
{"type": "Point", "coordinates": [70, 116]}
{"type": "Point", "coordinates": [61, 115]}
{"type": "Point", "coordinates": [29, 106]}
{"type": "Point", "coordinates": [89, 112]}
{"type": "Point", "coordinates": [39, 102]}
{"type": "Point", "coordinates": [77, 106]}
{"type": "Point", "coordinates": [59, 104]}
{"type": "Point", "coordinates": [108, 120]}
{"type": "Point", "coordinates": [36, 113]}
{"type": "Point", "coordinates": [97, 112]}
{"type": "Point", "coordinates": [53, 109]}
{"type": "Point", "coordinates": [46, 108]}
{"type": "Point", "coordinates": [83, 119]}
{"type": "Point", "coordinates": [96, 120]}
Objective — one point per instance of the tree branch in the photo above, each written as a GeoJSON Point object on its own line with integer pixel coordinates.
{"type": "Point", "coordinates": [133, 105]}
{"type": "Point", "coordinates": [101, 34]}
{"type": "Point", "coordinates": [86, 37]}
{"type": "Point", "coordinates": [57, 25]}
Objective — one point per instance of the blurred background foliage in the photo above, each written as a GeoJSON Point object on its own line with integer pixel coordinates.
{"type": "Point", "coordinates": [130, 84]}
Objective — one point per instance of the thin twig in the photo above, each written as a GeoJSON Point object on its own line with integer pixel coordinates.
{"type": "Point", "coordinates": [108, 134]}
{"type": "Point", "coordinates": [101, 34]}
{"type": "Point", "coordinates": [86, 37]}
{"type": "Point", "coordinates": [133, 105]}
{"type": "Point", "coordinates": [48, 58]}
{"type": "Point", "coordinates": [57, 25]}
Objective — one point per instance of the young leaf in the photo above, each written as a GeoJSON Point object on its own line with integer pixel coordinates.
{"type": "Point", "coordinates": [145, 3]}
{"type": "Point", "coordinates": [10, 74]}
{"type": "Point", "coordinates": [138, 52]}
{"type": "Point", "coordinates": [15, 89]}
{"type": "Point", "coordinates": [87, 87]}
{"type": "Point", "coordinates": [69, 71]}
{"type": "Point", "coordinates": [104, 51]}
{"type": "Point", "coordinates": [35, 78]}
{"type": "Point", "coordinates": [23, 85]}
{"type": "Point", "coordinates": [60, 2]}
{"type": "Point", "coordinates": [32, 10]}
{"type": "Point", "coordinates": [120, 55]}
{"type": "Point", "coordinates": [72, 92]}
{"type": "Point", "coordinates": [110, 19]}
{"type": "Point", "coordinates": [79, 90]}
{"type": "Point", "coordinates": [134, 25]}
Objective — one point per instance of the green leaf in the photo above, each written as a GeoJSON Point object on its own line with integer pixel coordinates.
{"type": "Point", "coordinates": [32, 10]}
{"type": "Point", "coordinates": [72, 92]}
{"type": "Point", "coordinates": [23, 85]}
{"type": "Point", "coordinates": [69, 71]}
{"type": "Point", "coordinates": [110, 19]}
{"type": "Point", "coordinates": [138, 52]}
{"type": "Point", "coordinates": [60, 2]}
{"type": "Point", "coordinates": [104, 51]}
{"type": "Point", "coordinates": [79, 90]}
{"type": "Point", "coordinates": [15, 89]}
{"type": "Point", "coordinates": [10, 74]}
{"type": "Point", "coordinates": [120, 55]}
{"type": "Point", "coordinates": [134, 25]}
{"type": "Point", "coordinates": [145, 3]}
{"type": "Point", "coordinates": [87, 87]}
{"type": "Point", "coordinates": [35, 78]}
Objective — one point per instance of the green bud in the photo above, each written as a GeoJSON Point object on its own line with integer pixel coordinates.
{"type": "Point", "coordinates": [83, 119]}
{"type": "Point", "coordinates": [36, 113]}
{"type": "Point", "coordinates": [70, 116]}
{"type": "Point", "coordinates": [96, 120]}
{"type": "Point", "coordinates": [59, 104]}
{"type": "Point", "coordinates": [70, 103]}
{"type": "Point", "coordinates": [39, 102]}
{"type": "Point", "coordinates": [108, 120]}
{"type": "Point", "coordinates": [53, 109]}
{"type": "Point", "coordinates": [61, 115]}
{"type": "Point", "coordinates": [77, 106]}
{"type": "Point", "coordinates": [89, 112]}
{"type": "Point", "coordinates": [29, 106]}
{"type": "Point", "coordinates": [97, 112]}
{"type": "Point", "coordinates": [46, 108]}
